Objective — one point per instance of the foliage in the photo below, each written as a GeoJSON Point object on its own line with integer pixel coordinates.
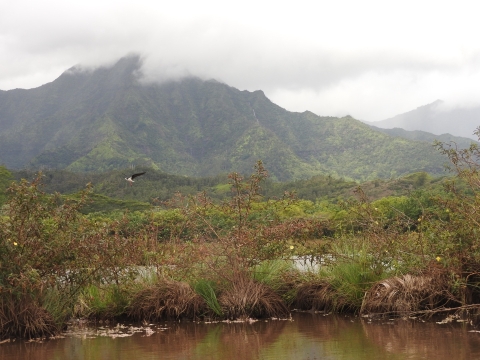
{"type": "Point", "coordinates": [46, 245]}
{"type": "Point", "coordinates": [197, 255]}
{"type": "Point", "coordinates": [235, 235]}
{"type": "Point", "coordinates": [5, 180]}
{"type": "Point", "coordinates": [419, 135]}
{"type": "Point", "coordinates": [454, 234]}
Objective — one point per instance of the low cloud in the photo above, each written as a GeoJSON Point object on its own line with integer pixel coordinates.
{"type": "Point", "coordinates": [364, 62]}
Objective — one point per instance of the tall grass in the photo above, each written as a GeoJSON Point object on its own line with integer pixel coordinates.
{"type": "Point", "coordinates": [245, 298]}
{"type": "Point", "coordinates": [107, 301]}
{"type": "Point", "coordinates": [57, 305]}
{"type": "Point", "coordinates": [206, 289]}
{"type": "Point", "coordinates": [271, 272]}
{"type": "Point", "coordinates": [24, 317]}
{"type": "Point", "coordinates": [353, 270]}
{"type": "Point", "coordinates": [279, 275]}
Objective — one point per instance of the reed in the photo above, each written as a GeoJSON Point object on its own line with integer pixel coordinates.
{"type": "Point", "coordinates": [280, 276]}
{"type": "Point", "coordinates": [318, 295]}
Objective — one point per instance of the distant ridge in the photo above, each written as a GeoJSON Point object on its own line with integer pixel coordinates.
{"type": "Point", "coordinates": [106, 118]}
{"type": "Point", "coordinates": [436, 118]}
{"type": "Point", "coordinates": [418, 135]}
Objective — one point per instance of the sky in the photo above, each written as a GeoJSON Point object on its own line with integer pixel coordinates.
{"type": "Point", "coordinates": [368, 59]}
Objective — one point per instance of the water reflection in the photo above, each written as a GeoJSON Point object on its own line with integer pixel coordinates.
{"type": "Point", "coordinates": [307, 336]}
{"type": "Point", "coordinates": [426, 340]}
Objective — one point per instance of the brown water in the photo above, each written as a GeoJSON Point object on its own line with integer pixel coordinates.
{"type": "Point", "coordinates": [307, 336]}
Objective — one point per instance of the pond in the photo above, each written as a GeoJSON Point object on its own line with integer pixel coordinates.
{"type": "Point", "coordinates": [305, 336]}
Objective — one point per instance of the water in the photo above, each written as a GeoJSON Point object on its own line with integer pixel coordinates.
{"type": "Point", "coordinates": [307, 336]}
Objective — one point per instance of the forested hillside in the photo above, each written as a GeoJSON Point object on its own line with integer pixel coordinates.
{"type": "Point", "coordinates": [107, 119]}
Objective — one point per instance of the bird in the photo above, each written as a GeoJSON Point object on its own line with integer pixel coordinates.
{"type": "Point", "coordinates": [130, 179]}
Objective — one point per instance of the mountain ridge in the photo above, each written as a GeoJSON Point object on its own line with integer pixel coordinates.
{"type": "Point", "coordinates": [436, 118]}
{"type": "Point", "coordinates": [107, 118]}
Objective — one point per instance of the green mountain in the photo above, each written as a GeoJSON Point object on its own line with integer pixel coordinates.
{"type": "Point", "coordinates": [108, 118]}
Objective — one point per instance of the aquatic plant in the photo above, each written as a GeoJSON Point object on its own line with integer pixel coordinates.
{"type": "Point", "coordinates": [105, 301]}
{"type": "Point", "coordinates": [279, 275]}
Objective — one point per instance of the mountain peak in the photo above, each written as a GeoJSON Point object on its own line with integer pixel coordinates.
{"type": "Point", "coordinates": [104, 118]}
{"type": "Point", "coordinates": [432, 105]}
{"type": "Point", "coordinates": [127, 68]}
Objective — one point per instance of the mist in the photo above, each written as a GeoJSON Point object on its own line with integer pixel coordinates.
{"type": "Point", "coordinates": [371, 60]}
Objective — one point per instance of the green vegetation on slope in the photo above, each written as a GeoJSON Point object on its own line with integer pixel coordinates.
{"type": "Point", "coordinates": [113, 192]}
{"type": "Point", "coordinates": [107, 119]}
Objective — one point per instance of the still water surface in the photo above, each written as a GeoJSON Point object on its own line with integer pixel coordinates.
{"type": "Point", "coordinates": [306, 336]}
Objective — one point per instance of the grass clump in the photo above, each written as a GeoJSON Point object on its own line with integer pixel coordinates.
{"type": "Point", "coordinates": [207, 291]}
{"type": "Point", "coordinates": [407, 294]}
{"type": "Point", "coordinates": [166, 300]}
{"type": "Point", "coordinates": [318, 295]}
{"type": "Point", "coordinates": [280, 276]}
{"type": "Point", "coordinates": [102, 302]}
{"type": "Point", "coordinates": [24, 317]}
{"type": "Point", "coordinates": [246, 298]}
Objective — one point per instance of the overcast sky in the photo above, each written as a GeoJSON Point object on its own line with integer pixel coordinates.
{"type": "Point", "coordinates": [369, 59]}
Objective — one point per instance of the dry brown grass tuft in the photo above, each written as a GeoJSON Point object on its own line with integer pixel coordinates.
{"type": "Point", "coordinates": [166, 300]}
{"type": "Point", "coordinates": [24, 318]}
{"type": "Point", "coordinates": [246, 298]}
{"type": "Point", "coordinates": [319, 296]}
{"type": "Point", "coordinates": [405, 295]}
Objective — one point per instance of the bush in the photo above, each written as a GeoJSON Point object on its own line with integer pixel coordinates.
{"type": "Point", "coordinates": [47, 245]}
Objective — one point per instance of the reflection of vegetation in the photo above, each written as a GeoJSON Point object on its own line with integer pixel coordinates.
{"type": "Point", "coordinates": [317, 337]}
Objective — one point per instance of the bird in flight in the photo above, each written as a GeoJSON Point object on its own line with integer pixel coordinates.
{"type": "Point", "coordinates": [130, 179]}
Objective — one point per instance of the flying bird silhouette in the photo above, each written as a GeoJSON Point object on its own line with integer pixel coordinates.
{"type": "Point", "coordinates": [130, 179]}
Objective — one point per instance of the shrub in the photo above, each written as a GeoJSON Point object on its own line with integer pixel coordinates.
{"type": "Point", "coordinates": [46, 245]}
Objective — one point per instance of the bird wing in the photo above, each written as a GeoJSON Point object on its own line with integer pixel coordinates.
{"type": "Point", "coordinates": [138, 174]}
